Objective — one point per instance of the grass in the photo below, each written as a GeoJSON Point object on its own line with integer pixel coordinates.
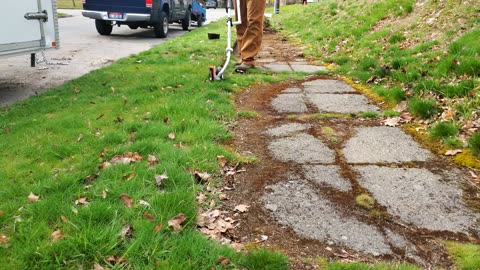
{"type": "Point", "coordinates": [474, 144]}
{"type": "Point", "coordinates": [53, 144]}
{"type": "Point", "coordinates": [443, 130]}
{"type": "Point", "coordinates": [467, 256]}
{"type": "Point", "coordinates": [365, 201]}
{"type": "Point", "coordinates": [69, 4]}
{"type": "Point", "coordinates": [428, 64]}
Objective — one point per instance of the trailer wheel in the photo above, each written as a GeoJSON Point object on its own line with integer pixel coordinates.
{"type": "Point", "coordinates": [187, 20]}
{"type": "Point", "coordinates": [104, 28]}
{"type": "Point", "coordinates": [161, 27]}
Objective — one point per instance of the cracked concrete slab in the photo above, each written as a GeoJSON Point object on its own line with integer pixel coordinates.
{"type": "Point", "coordinates": [292, 90]}
{"type": "Point", "coordinates": [303, 67]}
{"type": "Point", "coordinates": [345, 103]}
{"type": "Point", "coordinates": [419, 197]}
{"type": "Point", "coordinates": [296, 205]}
{"type": "Point", "coordinates": [301, 148]}
{"type": "Point", "coordinates": [287, 129]}
{"type": "Point", "coordinates": [278, 67]}
{"type": "Point", "coordinates": [327, 175]}
{"type": "Point", "coordinates": [327, 86]}
{"type": "Point", "coordinates": [289, 103]}
{"type": "Point", "coordinates": [382, 144]}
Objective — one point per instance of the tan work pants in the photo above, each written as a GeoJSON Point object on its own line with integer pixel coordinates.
{"type": "Point", "coordinates": [250, 31]}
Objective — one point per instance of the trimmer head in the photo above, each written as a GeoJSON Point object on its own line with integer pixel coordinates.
{"type": "Point", "coordinates": [213, 73]}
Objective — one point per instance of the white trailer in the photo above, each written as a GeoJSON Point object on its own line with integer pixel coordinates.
{"type": "Point", "coordinates": [28, 26]}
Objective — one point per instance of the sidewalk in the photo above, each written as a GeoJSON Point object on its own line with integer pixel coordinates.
{"type": "Point", "coordinates": [332, 183]}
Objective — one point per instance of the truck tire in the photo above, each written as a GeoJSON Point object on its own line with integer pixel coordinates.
{"type": "Point", "coordinates": [104, 28]}
{"type": "Point", "coordinates": [161, 27]}
{"type": "Point", "coordinates": [187, 20]}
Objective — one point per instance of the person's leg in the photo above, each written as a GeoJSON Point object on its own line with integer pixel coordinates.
{"type": "Point", "coordinates": [241, 28]}
{"type": "Point", "coordinates": [253, 34]}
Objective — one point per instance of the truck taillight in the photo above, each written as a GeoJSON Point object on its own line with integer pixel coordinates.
{"type": "Point", "coordinates": [148, 3]}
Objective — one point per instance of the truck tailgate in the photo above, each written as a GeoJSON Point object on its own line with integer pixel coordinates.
{"type": "Point", "coordinates": [125, 6]}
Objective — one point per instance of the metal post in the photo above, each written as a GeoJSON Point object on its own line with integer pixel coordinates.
{"type": "Point", "coordinates": [276, 6]}
{"type": "Point", "coordinates": [32, 59]}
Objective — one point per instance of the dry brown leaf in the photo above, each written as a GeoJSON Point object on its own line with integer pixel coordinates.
{"type": "Point", "coordinates": [33, 198]}
{"type": "Point", "coordinates": [148, 216]}
{"type": "Point", "coordinates": [127, 231]}
{"type": "Point", "coordinates": [129, 176]}
{"type": "Point", "coordinates": [113, 260]}
{"type": "Point", "coordinates": [392, 121]}
{"type": "Point", "coordinates": [473, 174]}
{"type": "Point", "coordinates": [201, 177]}
{"type": "Point", "coordinates": [176, 221]}
{"type": "Point", "coordinates": [127, 200]}
{"type": "Point", "coordinates": [448, 114]}
{"type": "Point", "coordinates": [222, 196]}
{"type": "Point", "coordinates": [223, 260]}
{"type": "Point", "coordinates": [171, 136]}
{"type": "Point", "coordinates": [80, 137]}
{"type": "Point", "coordinates": [56, 236]}
{"type": "Point", "coordinates": [1, 212]}
{"type": "Point", "coordinates": [453, 152]}
{"type": "Point", "coordinates": [4, 239]}
{"type": "Point", "coordinates": [104, 193]}
{"type": "Point", "coordinates": [97, 266]}
{"type": "Point", "coordinates": [126, 158]}
{"type": "Point", "coordinates": [158, 227]}
{"type": "Point", "coordinates": [152, 161]}
{"type": "Point", "coordinates": [64, 219]}
{"type": "Point", "coordinates": [201, 198]}
{"type": "Point", "coordinates": [132, 137]}
{"type": "Point", "coordinates": [81, 201]}
{"type": "Point", "coordinates": [238, 247]}
{"type": "Point", "coordinates": [242, 208]}
{"type": "Point", "coordinates": [104, 165]}
{"type": "Point", "coordinates": [222, 161]}
{"type": "Point", "coordinates": [159, 178]}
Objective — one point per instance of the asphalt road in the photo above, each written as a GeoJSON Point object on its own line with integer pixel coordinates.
{"type": "Point", "coordinates": [81, 51]}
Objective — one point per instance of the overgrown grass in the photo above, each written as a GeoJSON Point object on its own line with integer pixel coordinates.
{"type": "Point", "coordinates": [53, 145]}
{"type": "Point", "coordinates": [467, 256]}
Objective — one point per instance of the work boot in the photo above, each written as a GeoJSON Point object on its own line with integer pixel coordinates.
{"type": "Point", "coordinates": [244, 66]}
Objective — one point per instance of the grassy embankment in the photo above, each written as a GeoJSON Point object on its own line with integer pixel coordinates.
{"type": "Point", "coordinates": [69, 4]}
{"type": "Point", "coordinates": [425, 54]}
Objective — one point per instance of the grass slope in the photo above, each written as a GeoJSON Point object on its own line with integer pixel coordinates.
{"type": "Point", "coordinates": [424, 52]}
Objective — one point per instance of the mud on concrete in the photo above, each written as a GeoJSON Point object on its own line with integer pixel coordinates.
{"type": "Point", "coordinates": [304, 198]}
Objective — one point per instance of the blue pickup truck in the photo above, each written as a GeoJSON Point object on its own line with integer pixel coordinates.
{"type": "Point", "coordinates": [156, 14]}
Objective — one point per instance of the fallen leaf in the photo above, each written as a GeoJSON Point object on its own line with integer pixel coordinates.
{"type": "Point", "coordinates": [4, 239]}
{"type": "Point", "coordinates": [80, 137]}
{"type": "Point", "coordinates": [177, 221]}
{"type": "Point", "coordinates": [392, 121]}
{"type": "Point", "coordinates": [127, 200]}
{"type": "Point", "coordinates": [453, 152]}
{"type": "Point", "coordinates": [90, 178]}
{"type": "Point", "coordinates": [113, 260]}
{"type": "Point", "coordinates": [64, 219]}
{"type": "Point", "coordinates": [371, 79]}
{"type": "Point", "coordinates": [158, 227]}
{"type": "Point", "coordinates": [142, 202]}
{"type": "Point", "coordinates": [152, 161]}
{"type": "Point", "coordinates": [127, 231]}
{"type": "Point", "coordinates": [104, 165]}
{"type": "Point", "coordinates": [74, 210]}
{"type": "Point", "coordinates": [222, 161]}
{"type": "Point", "coordinates": [1, 212]}
{"type": "Point", "coordinates": [126, 158]}
{"type": "Point", "coordinates": [473, 174]}
{"type": "Point", "coordinates": [171, 136]}
{"type": "Point", "coordinates": [97, 266]}
{"type": "Point", "coordinates": [238, 247]}
{"type": "Point", "coordinates": [242, 208]}
{"type": "Point", "coordinates": [223, 260]}
{"type": "Point", "coordinates": [201, 198]}
{"type": "Point", "coordinates": [448, 114]}
{"type": "Point", "coordinates": [201, 177]}
{"type": "Point", "coordinates": [148, 216]}
{"type": "Point", "coordinates": [222, 196]}
{"type": "Point", "coordinates": [76, 90]}
{"type": "Point", "coordinates": [104, 193]}
{"type": "Point", "coordinates": [81, 201]}
{"type": "Point", "coordinates": [129, 176]}
{"type": "Point", "coordinates": [7, 130]}
{"type": "Point", "coordinates": [132, 137]}
{"type": "Point", "coordinates": [159, 178]}
{"type": "Point", "coordinates": [56, 236]}
{"type": "Point", "coordinates": [33, 198]}
{"type": "Point", "coordinates": [113, 89]}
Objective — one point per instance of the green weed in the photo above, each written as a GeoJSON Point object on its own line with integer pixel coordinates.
{"type": "Point", "coordinates": [443, 130]}
{"type": "Point", "coordinates": [365, 201]}
{"type": "Point", "coordinates": [467, 256]}
{"type": "Point", "coordinates": [474, 144]}
{"type": "Point", "coordinates": [424, 108]}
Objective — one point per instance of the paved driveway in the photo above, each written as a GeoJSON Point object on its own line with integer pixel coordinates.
{"type": "Point", "coordinates": [82, 50]}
